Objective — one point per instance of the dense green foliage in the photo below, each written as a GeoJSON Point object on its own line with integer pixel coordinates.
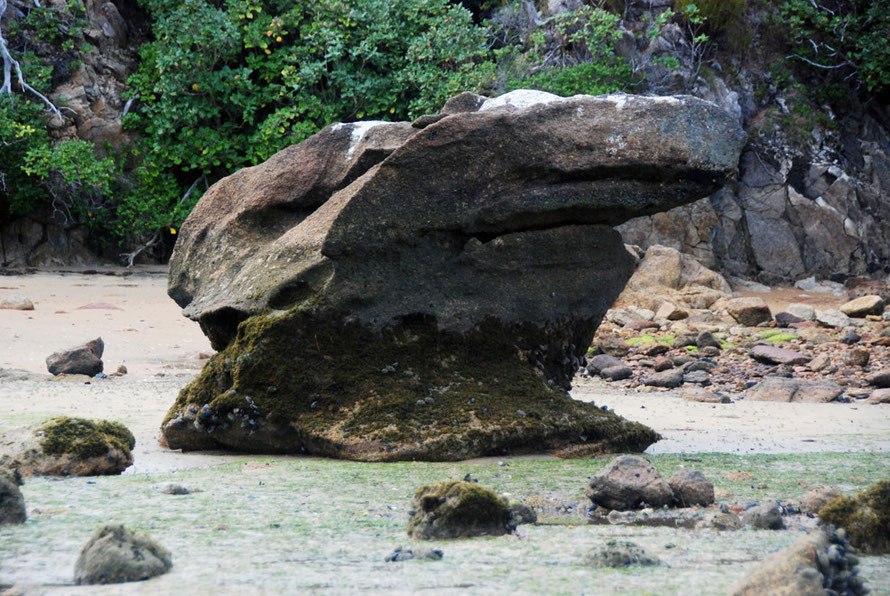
{"type": "Point", "coordinates": [32, 166]}
{"type": "Point", "coordinates": [847, 39]}
{"type": "Point", "coordinates": [573, 53]}
{"type": "Point", "coordinates": [227, 85]}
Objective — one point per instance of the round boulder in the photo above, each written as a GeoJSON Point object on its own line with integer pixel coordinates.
{"type": "Point", "coordinates": [12, 503]}
{"type": "Point", "coordinates": [116, 555]}
{"type": "Point", "coordinates": [690, 488]}
{"type": "Point", "coordinates": [629, 482]}
{"type": "Point", "coordinates": [765, 516]}
{"type": "Point", "coordinates": [458, 509]}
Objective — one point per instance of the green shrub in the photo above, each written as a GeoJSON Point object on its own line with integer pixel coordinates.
{"type": "Point", "coordinates": [574, 53]}
{"type": "Point", "coordinates": [227, 84]}
{"type": "Point", "coordinates": [840, 39]}
{"type": "Point", "coordinates": [719, 14]}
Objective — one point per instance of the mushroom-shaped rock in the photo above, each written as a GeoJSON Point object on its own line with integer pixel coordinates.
{"type": "Point", "coordinates": [458, 509]}
{"type": "Point", "coordinates": [116, 555]}
{"type": "Point", "coordinates": [464, 265]}
{"type": "Point", "coordinates": [70, 447]}
{"type": "Point", "coordinates": [629, 482]}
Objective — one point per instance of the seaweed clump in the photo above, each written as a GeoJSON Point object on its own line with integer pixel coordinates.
{"type": "Point", "coordinates": [84, 438]}
{"type": "Point", "coordinates": [458, 509]}
{"type": "Point", "coordinates": [865, 518]}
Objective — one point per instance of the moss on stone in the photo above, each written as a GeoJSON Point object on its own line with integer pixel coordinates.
{"type": "Point", "coordinates": [865, 517]}
{"type": "Point", "coordinates": [410, 390]}
{"type": "Point", "coordinates": [458, 509]}
{"type": "Point", "coordinates": [84, 438]}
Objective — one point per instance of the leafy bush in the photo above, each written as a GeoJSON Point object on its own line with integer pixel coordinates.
{"type": "Point", "coordinates": [841, 39]}
{"type": "Point", "coordinates": [574, 53]}
{"type": "Point", "coordinates": [719, 14]}
{"type": "Point", "coordinates": [227, 84]}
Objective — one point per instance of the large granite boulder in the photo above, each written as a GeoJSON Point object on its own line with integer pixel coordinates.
{"type": "Point", "coordinates": [391, 291]}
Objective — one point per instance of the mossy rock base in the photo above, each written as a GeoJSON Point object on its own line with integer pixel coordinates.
{"type": "Point", "coordinates": [294, 383]}
{"type": "Point", "coordinates": [865, 518]}
{"type": "Point", "coordinates": [69, 447]}
{"type": "Point", "coordinates": [458, 509]}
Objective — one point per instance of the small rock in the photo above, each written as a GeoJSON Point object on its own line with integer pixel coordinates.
{"type": "Point", "coordinates": [406, 554]}
{"type": "Point", "coordinates": [879, 396]}
{"type": "Point", "coordinates": [775, 355]}
{"type": "Point", "coordinates": [813, 335]}
{"type": "Point", "coordinates": [670, 379]}
{"type": "Point", "coordinates": [619, 553]}
{"type": "Point", "coordinates": [642, 325]}
{"type": "Point", "coordinates": [880, 378]}
{"type": "Point", "coordinates": [16, 303]}
{"type": "Point", "coordinates": [817, 498]}
{"type": "Point", "coordinates": [617, 373]}
{"type": "Point", "coordinates": [612, 345]}
{"type": "Point", "coordinates": [115, 555]}
{"type": "Point", "coordinates": [458, 509]}
{"type": "Point", "coordinates": [786, 319]}
{"type": "Point", "coordinates": [723, 521]}
{"type": "Point", "coordinates": [706, 339]}
{"type": "Point", "coordinates": [833, 318]}
{"type": "Point", "coordinates": [629, 482]}
{"type": "Point", "coordinates": [520, 514]}
{"type": "Point", "coordinates": [704, 364]}
{"type": "Point", "coordinates": [785, 389]}
{"type": "Point", "coordinates": [121, 370]}
{"type": "Point", "coordinates": [653, 349]}
{"type": "Point", "coordinates": [862, 306]}
{"type": "Point", "coordinates": [690, 488]}
{"type": "Point", "coordinates": [749, 311]}
{"type": "Point", "coordinates": [697, 377]}
{"type": "Point", "coordinates": [765, 516]}
{"type": "Point", "coordinates": [850, 338]}
{"type": "Point", "coordinates": [602, 361]}
{"type": "Point", "coordinates": [12, 503]}
{"type": "Point", "coordinates": [663, 364]}
{"type": "Point", "coordinates": [625, 316]}
{"type": "Point", "coordinates": [802, 311]}
{"type": "Point", "coordinates": [811, 566]}
{"type": "Point", "coordinates": [681, 341]}
{"type": "Point", "coordinates": [85, 359]}
{"type": "Point", "coordinates": [671, 312]}
{"type": "Point", "coordinates": [175, 489]}
{"type": "Point", "coordinates": [819, 362]}
{"type": "Point", "coordinates": [703, 395]}
{"type": "Point", "coordinates": [858, 357]}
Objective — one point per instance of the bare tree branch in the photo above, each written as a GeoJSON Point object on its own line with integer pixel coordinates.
{"type": "Point", "coordinates": [131, 256]}
{"type": "Point", "coordinates": [10, 64]}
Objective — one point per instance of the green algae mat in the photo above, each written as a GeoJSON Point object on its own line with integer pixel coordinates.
{"type": "Point", "coordinates": [304, 525]}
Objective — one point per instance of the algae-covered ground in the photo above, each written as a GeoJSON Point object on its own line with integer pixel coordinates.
{"type": "Point", "coordinates": [297, 525]}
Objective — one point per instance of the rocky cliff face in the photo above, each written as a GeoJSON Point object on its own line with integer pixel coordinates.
{"type": "Point", "coordinates": [811, 196]}
{"type": "Point", "coordinates": [88, 82]}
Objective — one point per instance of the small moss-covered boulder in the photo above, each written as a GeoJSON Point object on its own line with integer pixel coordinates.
{"type": "Point", "coordinates": [458, 509]}
{"type": "Point", "coordinates": [70, 447]}
{"type": "Point", "coordinates": [619, 553]}
{"type": "Point", "coordinates": [865, 517]}
{"type": "Point", "coordinates": [116, 555]}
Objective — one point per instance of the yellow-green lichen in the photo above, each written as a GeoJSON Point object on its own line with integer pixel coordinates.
{"type": "Point", "coordinates": [865, 517]}
{"type": "Point", "coordinates": [84, 438]}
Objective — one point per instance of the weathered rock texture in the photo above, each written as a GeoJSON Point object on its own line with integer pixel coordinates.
{"type": "Point", "coordinates": [116, 555]}
{"type": "Point", "coordinates": [383, 291]}
{"type": "Point", "coordinates": [629, 482]}
{"type": "Point", "coordinates": [458, 509]}
{"type": "Point", "coordinates": [817, 564]}
{"type": "Point", "coordinates": [68, 447]}
{"type": "Point", "coordinates": [85, 359]}
{"type": "Point", "coordinates": [12, 503]}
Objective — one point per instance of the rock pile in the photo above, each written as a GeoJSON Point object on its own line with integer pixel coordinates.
{"type": "Point", "coordinates": [389, 291]}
